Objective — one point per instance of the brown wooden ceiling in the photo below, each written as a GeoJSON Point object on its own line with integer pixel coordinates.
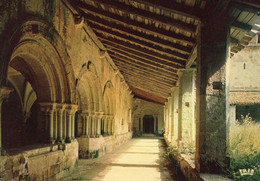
{"type": "Point", "coordinates": [150, 40]}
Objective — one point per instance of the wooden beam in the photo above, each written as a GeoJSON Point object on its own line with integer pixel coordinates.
{"type": "Point", "coordinates": [242, 26]}
{"type": "Point", "coordinates": [178, 8]}
{"type": "Point", "coordinates": [143, 56]}
{"type": "Point", "coordinates": [149, 87]}
{"type": "Point", "coordinates": [234, 40]}
{"type": "Point", "coordinates": [141, 60]}
{"type": "Point", "coordinates": [151, 97]}
{"type": "Point", "coordinates": [138, 35]}
{"type": "Point", "coordinates": [140, 50]}
{"type": "Point", "coordinates": [141, 70]}
{"type": "Point", "coordinates": [156, 80]}
{"type": "Point", "coordinates": [144, 66]}
{"type": "Point", "coordinates": [149, 15]}
{"type": "Point", "coordinates": [192, 57]}
{"type": "Point", "coordinates": [131, 23]}
{"type": "Point", "coordinates": [148, 46]}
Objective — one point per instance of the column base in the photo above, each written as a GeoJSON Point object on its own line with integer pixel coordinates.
{"type": "Point", "coordinates": [68, 140]}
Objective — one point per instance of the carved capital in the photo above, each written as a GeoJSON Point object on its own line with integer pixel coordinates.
{"type": "Point", "coordinates": [4, 93]}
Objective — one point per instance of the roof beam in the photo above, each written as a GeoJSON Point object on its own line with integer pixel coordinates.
{"type": "Point", "coordinates": [131, 23]}
{"type": "Point", "coordinates": [242, 26]}
{"type": "Point", "coordinates": [175, 7]}
{"type": "Point", "coordinates": [148, 15]}
{"type": "Point", "coordinates": [140, 50]}
{"type": "Point", "coordinates": [143, 56]}
{"type": "Point", "coordinates": [149, 88]}
{"type": "Point", "coordinates": [139, 35]}
{"type": "Point", "coordinates": [145, 95]}
{"type": "Point", "coordinates": [144, 71]}
{"type": "Point", "coordinates": [156, 80]}
{"type": "Point", "coordinates": [144, 61]}
{"type": "Point", "coordinates": [144, 66]}
{"type": "Point", "coordinates": [149, 46]}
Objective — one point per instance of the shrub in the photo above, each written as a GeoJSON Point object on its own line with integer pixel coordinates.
{"type": "Point", "coordinates": [244, 148]}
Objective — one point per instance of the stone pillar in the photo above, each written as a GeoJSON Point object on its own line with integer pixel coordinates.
{"type": "Point", "coordinates": [176, 135]}
{"type": "Point", "coordinates": [4, 93]}
{"type": "Point", "coordinates": [142, 124]}
{"type": "Point", "coordinates": [60, 109]}
{"type": "Point", "coordinates": [105, 125]}
{"type": "Point", "coordinates": [70, 116]}
{"type": "Point", "coordinates": [186, 108]}
{"type": "Point", "coordinates": [64, 125]}
{"type": "Point", "coordinates": [112, 125]}
{"type": "Point", "coordinates": [169, 118]}
{"type": "Point", "coordinates": [211, 95]}
{"type": "Point", "coordinates": [154, 123]}
{"type": "Point", "coordinates": [48, 110]}
{"type": "Point", "coordinates": [92, 120]}
{"type": "Point", "coordinates": [99, 116]}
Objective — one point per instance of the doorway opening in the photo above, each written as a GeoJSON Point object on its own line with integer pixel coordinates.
{"type": "Point", "coordinates": [148, 124]}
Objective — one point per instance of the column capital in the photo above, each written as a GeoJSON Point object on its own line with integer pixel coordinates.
{"type": "Point", "coordinates": [71, 108]}
{"type": "Point", "coordinates": [4, 92]}
{"type": "Point", "coordinates": [60, 106]}
{"type": "Point", "coordinates": [48, 106]}
{"type": "Point", "coordinates": [99, 114]}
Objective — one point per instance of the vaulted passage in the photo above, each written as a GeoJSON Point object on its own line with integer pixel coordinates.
{"type": "Point", "coordinates": [141, 159]}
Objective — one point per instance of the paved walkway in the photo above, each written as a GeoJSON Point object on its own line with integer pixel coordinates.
{"type": "Point", "coordinates": [142, 159]}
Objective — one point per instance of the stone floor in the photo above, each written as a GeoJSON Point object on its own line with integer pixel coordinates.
{"type": "Point", "coordinates": [141, 159]}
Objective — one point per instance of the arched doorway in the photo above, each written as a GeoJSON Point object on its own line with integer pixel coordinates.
{"type": "Point", "coordinates": [148, 124]}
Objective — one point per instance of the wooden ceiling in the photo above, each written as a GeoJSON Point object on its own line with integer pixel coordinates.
{"type": "Point", "coordinates": [150, 40]}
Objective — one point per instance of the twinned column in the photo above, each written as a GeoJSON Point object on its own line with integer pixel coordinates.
{"type": "Point", "coordinates": [98, 116]}
{"type": "Point", "coordinates": [60, 121]}
{"type": "Point", "coordinates": [48, 110]}
{"type": "Point", "coordinates": [86, 119]}
{"type": "Point", "coordinates": [70, 121]}
{"type": "Point", "coordinates": [4, 93]}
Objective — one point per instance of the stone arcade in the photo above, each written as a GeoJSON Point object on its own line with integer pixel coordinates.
{"type": "Point", "coordinates": [79, 78]}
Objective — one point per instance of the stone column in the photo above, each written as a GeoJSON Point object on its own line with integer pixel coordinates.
{"type": "Point", "coordinates": [87, 125]}
{"type": "Point", "coordinates": [60, 109]}
{"type": "Point", "coordinates": [105, 124]}
{"type": "Point", "coordinates": [112, 125]}
{"type": "Point", "coordinates": [154, 123]}
{"type": "Point", "coordinates": [186, 108]}
{"type": "Point", "coordinates": [212, 96]}
{"type": "Point", "coordinates": [142, 124]}
{"type": "Point", "coordinates": [70, 116]}
{"type": "Point", "coordinates": [98, 123]}
{"type": "Point", "coordinates": [4, 93]}
{"type": "Point", "coordinates": [48, 110]}
{"type": "Point", "coordinates": [55, 125]}
{"type": "Point", "coordinates": [176, 133]}
{"type": "Point", "coordinates": [64, 125]}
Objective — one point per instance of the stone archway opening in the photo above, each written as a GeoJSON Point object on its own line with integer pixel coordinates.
{"type": "Point", "coordinates": [148, 124]}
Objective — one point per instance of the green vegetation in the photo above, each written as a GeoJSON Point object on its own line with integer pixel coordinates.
{"type": "Point", "coordinates": [244, 149]}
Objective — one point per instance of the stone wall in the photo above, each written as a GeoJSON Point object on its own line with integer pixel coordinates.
{"type": "Point", "coordinates": [49, 162]}
{"type": "Point", "coordinates": [95, 147]}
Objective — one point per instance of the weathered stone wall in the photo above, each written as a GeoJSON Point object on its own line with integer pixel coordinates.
{"type": "Point", "coordinates": [42, 163]}
{"type": "Point", "coordinates": [95, 147]}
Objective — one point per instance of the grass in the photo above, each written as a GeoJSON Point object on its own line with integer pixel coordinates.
{"type": "Point", "coordinates": [244, 148]}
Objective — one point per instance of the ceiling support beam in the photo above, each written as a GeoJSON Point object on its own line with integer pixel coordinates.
{"type": "Point", "coordinates": [154, 80]}
{"type": "Point", "coordinates": [143, 70]}
{"type": "Point", "coordinates": [149, 15]}
{"type": "Point", "coordinates": [149, 46]}
{"type": "Point", "coordinates": [148, 58]}
{"type": "Point", "coordinates": [131, 23]}
{"type": "Point", "coordinates": [141, 60]}
{"type": "Point", "coordinates": [242, 26]}
{"type": "Point", "coordinates": [140, 50]}
{"type": "Point", "coordinates": [139, 35]}
{"type": "Point", "coordinates": [145, 67]}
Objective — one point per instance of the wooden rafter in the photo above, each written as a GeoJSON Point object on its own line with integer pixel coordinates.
{"type": "Point", "coordinates": [140, 50]}
{"type": "Point", "coordinates": [149, 88]}
{"type": "Point", "coordinates": [179, 57]}
{"type": "Point", "coordinates": [141, 60]}
{"type": "Point", "coordinates": [143, 56]}
{"type": "Point", "coordinates": [139, 35]}
{"type": "Point", "coordinates": [140, 69]}
{"type": "Point", "coordinates": [144, 66]}
{"type": "Point", "coordinates": [157, 80]}
{"type": "Point", "coordinates": [242, 26]}
{"type": "Point", "coordinates": [131, 23]}
{"type": "Point", "coordinates": [192, 12]}
{"type": "Point", "coordinates": [149, 15]}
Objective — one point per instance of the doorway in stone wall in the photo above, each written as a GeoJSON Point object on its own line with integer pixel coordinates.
{"type": "Point", "coordinates": [148, 124]}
